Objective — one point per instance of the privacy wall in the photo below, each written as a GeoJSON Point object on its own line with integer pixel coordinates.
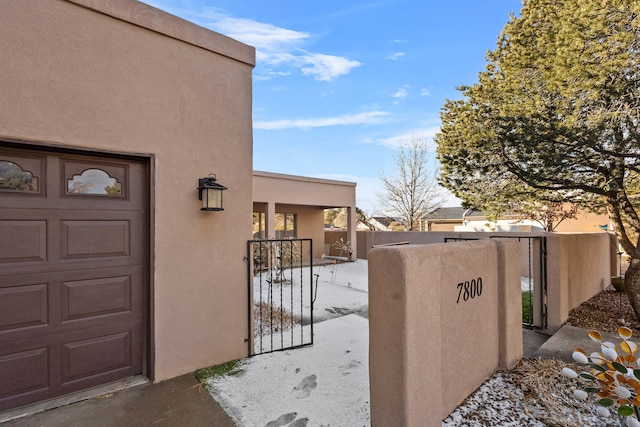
{"type": "Point", "coordinates": [577, 265]}
{"type": "Point", "coordinates": [442, 319]}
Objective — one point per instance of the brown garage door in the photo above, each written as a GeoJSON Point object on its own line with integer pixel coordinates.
{"type": "Point", "coordinates": [73, 275]}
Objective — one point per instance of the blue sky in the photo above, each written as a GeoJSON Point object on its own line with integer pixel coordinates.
{"type": "Point", "coordinates": [339, 84]}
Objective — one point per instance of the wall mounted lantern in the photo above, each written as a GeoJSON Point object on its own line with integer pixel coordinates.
{"type": "Point", "coordinates": [210, 192]}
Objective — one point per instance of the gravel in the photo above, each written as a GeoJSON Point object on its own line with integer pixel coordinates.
{"type": "Point", "coordinates": [605, 312]}
{"type": "Point", "coordinates": [535, 393]}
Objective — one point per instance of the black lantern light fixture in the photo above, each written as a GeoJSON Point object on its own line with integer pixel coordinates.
{"type": "Point", "coordinates": [210, 192]}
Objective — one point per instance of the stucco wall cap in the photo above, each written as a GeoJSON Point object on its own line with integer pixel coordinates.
{"type": "Point", "coordinates": [302, 178]}
{"type": "Point", "coordinates": [153, 19]}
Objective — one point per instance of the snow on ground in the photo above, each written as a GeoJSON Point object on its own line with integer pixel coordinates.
{"type": "Point", "coordinates": [327, 384]}
{"type": "Point", "coordinates": [341, 289]}
{"type": "Point", "coordinates": [323, 385]}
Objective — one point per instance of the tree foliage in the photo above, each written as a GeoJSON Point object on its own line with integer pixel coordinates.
{"type": "Point", "coordinates": [338, 217]}
{"type": "Point", "coordinates": [554, 116]}
{"type": "Point", "coordinates": [330, 215]}
{"type": "Point", "coordinates": [412, 191]}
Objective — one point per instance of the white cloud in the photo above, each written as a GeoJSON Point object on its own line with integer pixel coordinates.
{"type": "Point", "coordinates": [401, 93]}
{"type": "Point", "coordinates": [327, 67]}
{"type": "Point", "coordinates": [396, 141]}
{"type": "Point", "coordinates": [264, 37]}
{"type": "Point", "coordinates": [368, 117]}
{"type": "Point", "coordinates": [425, 92]}
{"type": "Point", "coordinates": [396, 56]}
{"type": "Point", "coordinates": [279, 47]}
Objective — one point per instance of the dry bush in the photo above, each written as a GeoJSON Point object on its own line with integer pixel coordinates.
{"type": "Point", "coordinates": [268, 319]}
{"type": "Point", "coordinates": [548, 395]}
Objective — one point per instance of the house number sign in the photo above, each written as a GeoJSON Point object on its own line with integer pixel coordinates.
{"type": "Point", "coordinates": [469, 289]}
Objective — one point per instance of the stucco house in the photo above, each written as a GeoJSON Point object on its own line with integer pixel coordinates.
{"type": "Point", "coordinates": [110, 114]}
{"type": "Point", "coordinates": [462, 219]}
{"type": "Point", "coordinates": [114, 117]}
{"type": "Point", "coordinates": [288, 206]}
{"type": "Point", "coordinates": [381, 223]}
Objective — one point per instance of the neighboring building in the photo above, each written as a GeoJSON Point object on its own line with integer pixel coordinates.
{"type": "Point", "coordinates": [362, 226]}
{"type": "Point", "coordinates": [442, 219]}
{"type": "Point", "coordinates": [381, 223]}
{"type": "Point", "coordinates": [585, 222]}
{"type": "Point", "coordinates": [462, 219]}
{"type": "Point", "coordinates": [110, 113]}
{"type": "Point", "coordinates": [473, 220]}
{"type": "Point", "coordinates": [289, 206]}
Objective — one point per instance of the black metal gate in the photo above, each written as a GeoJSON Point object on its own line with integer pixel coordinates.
{"type": "Point", "coordinates": [280, 279]}
{"type": "Point", "coordinates": [533, 277]}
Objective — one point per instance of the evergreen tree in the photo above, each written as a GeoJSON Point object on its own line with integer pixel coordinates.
{"type": "Point", "coordinates": [554, 117]}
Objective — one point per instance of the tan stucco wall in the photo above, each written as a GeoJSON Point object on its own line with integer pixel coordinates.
{"type": "Point", "coordinates": [426, 354]}
{"type": "Point", "coordinates": [309, 197]}
{"type": "Point", "coordinates": [123, 77]}
{"type": "Point", "coordinates": [584, 222]}
{"type": "Point", "coordinates": [332, 238]}
{"type": "Point", "coordinates": [445, 226]}
{"type": "Point", "coordinates": [579, 265]}
{"type": "Point", "coordinates": [309, 223]}
{"type": "Point", "coordinates": [369, 239]}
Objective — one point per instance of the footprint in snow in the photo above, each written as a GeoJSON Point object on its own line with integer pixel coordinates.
{"type": "Point", "coordinates": [346, 369]}
{"type": "Point", "coordinates": [306, 386]}
{"type": "Point", "coordinates": [282, 420]}
{"type": "Point", "coordinates": [300, 422]}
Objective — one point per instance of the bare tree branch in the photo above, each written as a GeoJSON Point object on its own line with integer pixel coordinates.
{"type": "Point", "coordinates": [412, 191]}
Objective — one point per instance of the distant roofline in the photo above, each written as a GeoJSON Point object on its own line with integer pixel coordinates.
{"type": "Point", "coordinates": [302, 178]}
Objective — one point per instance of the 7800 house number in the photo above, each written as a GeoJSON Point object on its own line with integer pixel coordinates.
{"type": "Point", "coordinates": [469, 289]}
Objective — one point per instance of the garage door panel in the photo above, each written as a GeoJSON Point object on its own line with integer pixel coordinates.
{"type": "Point", "coordinates": [96, 297]}
{"type": "Point", "coordinates": [107, 239]}
{"type": "Point", "coordinates": [23, 241]}
{"type": "Point", "coordinates": [94, 239]}
{"type": "Point", "coordinates": [24, 306]}
{"type": "Point", "coordinates": [102, 355]}
{"type": "Point", "coordinates": [34, 311]}
{"type": "Point", "coordinates": [97, 355]}
{"type": "Point", "coordinates": [24, 372]}
{"type": "Point", "coordinates": [112, 263]}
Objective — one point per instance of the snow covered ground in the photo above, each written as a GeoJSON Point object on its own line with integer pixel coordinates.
{"type": "Point", "coordinates": [338, 289]}
{"type": "Point", "coordinates": [323, 385]}
{"type": "Point", "coordinates": [327, 384]}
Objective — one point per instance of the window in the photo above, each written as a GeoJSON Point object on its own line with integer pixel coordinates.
{"type": "Point", "coordinates": [285, 225]}
{"type": "Point", "coordinates": [94, 181]}
{"type": "Point", "coordinates": [14, 178]}
{"type": "Point", "coordinates": [258, 225]}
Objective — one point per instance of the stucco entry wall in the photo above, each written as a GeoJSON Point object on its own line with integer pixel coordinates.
{"type": "Point", "coordinates": [442, 318]}
{"type": "Point", "coordinates": [123, 77]}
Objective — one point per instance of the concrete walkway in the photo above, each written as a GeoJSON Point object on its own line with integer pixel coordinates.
{"type": "Point", "coordinates": [562, 343]}
{"type": "Point", "coordinates": [177, 402]}
{"type": "Point", "coordinates": [181, 402]}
